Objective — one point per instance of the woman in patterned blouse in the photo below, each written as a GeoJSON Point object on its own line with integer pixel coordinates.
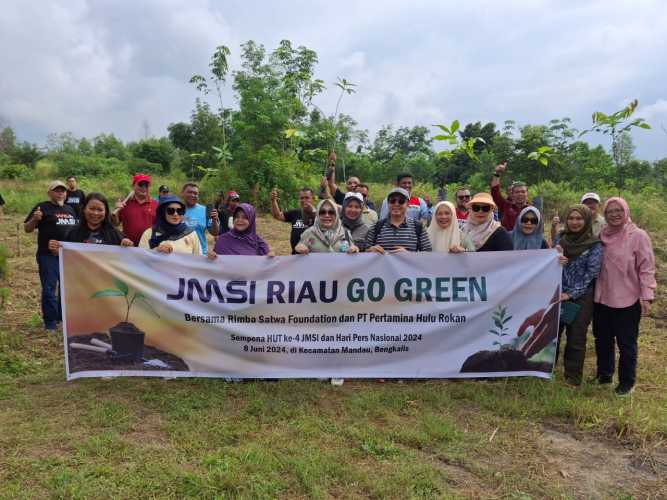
{"type": "Point", "coordinates": [582, 258]}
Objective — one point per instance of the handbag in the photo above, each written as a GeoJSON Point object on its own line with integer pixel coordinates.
{"type": "Point", "coordinates": [568, 312]}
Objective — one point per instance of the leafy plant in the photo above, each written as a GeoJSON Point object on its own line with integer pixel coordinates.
{"type": "Point", "coordinates": [500, 319]}
{"type": "Point", "coordinates": [219, 67]}
{"type": "Point", "coordinates": [122, 290]}
{"type": "Point", "coordinates": [543, 156]}
{"type": "Point", "coordinates": [616, 125]}
{"type": "Point", "coordinates": [450, 136]}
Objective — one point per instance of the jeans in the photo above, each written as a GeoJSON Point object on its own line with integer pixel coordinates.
{"type": "Point", "coordinates": [621, 326]}
{"type": "Point", "coordinates": [49, 275]}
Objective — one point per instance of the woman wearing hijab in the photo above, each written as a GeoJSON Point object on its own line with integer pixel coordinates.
{"type": "Point", "coordinates": [95, 226]}
{"type": "Point", "coordinates": [327, 234]}
{"type": "Point", "coordinates": [444, 231]}
{"type": "Point", "coordinates": [623, 294]}
{"type": "Point", "coordinates": [486, 234]}
{"type": "Point", "coordinates": [582, 259]}
{"type": "Point", "coordinates": [242, 238]}
{"type": "Point", "coordinates": [170, 233]}
{"type": "Point", "coordinates": [528, 232]}
{"type": "Point", "coordinates": [351, 216]}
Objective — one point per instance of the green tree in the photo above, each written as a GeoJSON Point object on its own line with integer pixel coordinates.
{"type": "Point", "coordinates": [7, 140]}
{"type": "Point", "coordinates": [616, 126]}
{"type": "Point", "coordinates": [109, 146]}
{"type": "Point", "coordinates": [158, 151]}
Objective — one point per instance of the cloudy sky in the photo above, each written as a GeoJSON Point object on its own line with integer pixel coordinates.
{"type": "Point", "coordinates": [106, 66]}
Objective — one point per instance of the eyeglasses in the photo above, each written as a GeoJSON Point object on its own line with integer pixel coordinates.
{"type": "Point", "coordinates": [327, 212]}
{"type": "Point", "coordinates": [464, 197]}
{"type": "Point", "coordinates": [481, 208]}
{"type": "Point", "coordinates": [529, 220]}
{"type": "Point", "coordinates": [394, 201]}
{"type": "Point", "coordinates": [174, 211]}
{"type": "Point", "coordinates": [142, 184]}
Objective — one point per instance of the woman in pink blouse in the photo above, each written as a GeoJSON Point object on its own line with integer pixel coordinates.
{"type": "Point", "coordinates": [623, 294]}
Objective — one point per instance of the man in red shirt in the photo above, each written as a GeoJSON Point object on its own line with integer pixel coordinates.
{"type": "Point", "coordinates": [137, 211]}
{"type": "Point", "coordinates": [462, 196]}
{"type": "Point", "coordinates": [509, 209]}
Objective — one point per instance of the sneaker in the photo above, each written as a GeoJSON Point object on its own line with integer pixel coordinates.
{"type": "Point", "coordinates": [624, 390]}
{"type": "Point", "coordinates": [51, 327]}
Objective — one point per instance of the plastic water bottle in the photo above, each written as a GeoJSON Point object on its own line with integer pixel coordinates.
{"type": "Point", "coordinates": [344, 247]}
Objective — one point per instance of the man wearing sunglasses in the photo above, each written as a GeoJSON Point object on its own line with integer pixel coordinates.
{"type": "Point", "coordinates": [462, 198]}
{"type": "Point", "coordinates": [137, 212]}
{"type": "Point", "coordinates": [398, 232]}
{"type": "Point", "coordinates": [509, 209]}
{"type": "Point", "coordinates": [417, 208]}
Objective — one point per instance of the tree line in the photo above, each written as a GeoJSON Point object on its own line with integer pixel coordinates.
{"type": "Point", "coordinates": [274, 134]}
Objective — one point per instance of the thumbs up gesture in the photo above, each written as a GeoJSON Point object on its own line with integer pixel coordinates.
{"type": "Point", "coordinates": [37, 215]}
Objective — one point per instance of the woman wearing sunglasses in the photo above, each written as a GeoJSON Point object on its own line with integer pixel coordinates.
{"type": "Point", "coordinates": [582, 259]}
{"type": "Point", "coordinates": [327, 234]}
{"type": "Point", "coordinates": [444, 231]}
{"type": "Point", "coordinates": [623, 294]}
{"type": "Point", "coordinates": [486, 234]}
{"type": "Point", "coordinates": [170, 233]}
{"type": "Point", "coordinates": [528, 233]}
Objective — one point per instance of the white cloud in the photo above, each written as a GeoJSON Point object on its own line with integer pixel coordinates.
{"type": "Point", "coordinates": [107, 65]}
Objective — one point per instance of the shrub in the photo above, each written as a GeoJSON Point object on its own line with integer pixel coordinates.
{"type": "Point", "coordinates": [15, 171]}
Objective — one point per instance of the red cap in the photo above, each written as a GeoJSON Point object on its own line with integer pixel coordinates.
{"type": "Point", "coordinates": [233, 195]}
{"type": "Point", "coordinates": [141, 177]}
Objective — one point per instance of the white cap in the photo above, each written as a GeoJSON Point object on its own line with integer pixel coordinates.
{"type": "Point", "coordinates": [590, 196]}
{"type": "Point", "coordinates": [356, 196]}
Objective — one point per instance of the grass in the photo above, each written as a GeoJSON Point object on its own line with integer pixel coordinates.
{"type": "Point", "coordinates": [186, 438]}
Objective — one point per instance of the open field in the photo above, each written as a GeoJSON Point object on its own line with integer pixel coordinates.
{"type": "Point", "coordinates": [134, 438]}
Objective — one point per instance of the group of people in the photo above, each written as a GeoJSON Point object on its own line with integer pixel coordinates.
{"type": "Point", "coordinates": [608, 262]}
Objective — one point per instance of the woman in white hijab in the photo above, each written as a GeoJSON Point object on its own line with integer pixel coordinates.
{"type": "Point", "coordinates": [444, 231]}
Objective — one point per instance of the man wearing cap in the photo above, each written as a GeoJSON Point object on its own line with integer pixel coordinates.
{"type": "Point", "coordinates": [592, 201]}
{"type": "Point", "coordinates": [509, 210]}
{"type": "Point", "coordinates": [162, 192]}
{"type": "Point", "coordinates": [416, 209]}
{"type": "Point", "coordinates": [196, 215]}
{"type": "Point", "coordinates": [53, 220]}
{"type": "Point", "coordinates": [137, 211]}
{"type": "Point", "coordinates": [397, 232]}
{"type": "Point", "coordinates": [226, 212]}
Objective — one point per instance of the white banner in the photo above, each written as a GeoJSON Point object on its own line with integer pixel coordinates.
{"type": "Point", "coordinates": [411, 315]}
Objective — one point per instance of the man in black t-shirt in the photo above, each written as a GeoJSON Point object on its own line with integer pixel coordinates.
{"type": "Point", "coordinates": [53, 220]}
{"type": "Point", "coordinates": [2, 206]}
{"type": "Point", "coordinates": [75, 196]}
{"type": "Point", "coordinates": [300, 218]}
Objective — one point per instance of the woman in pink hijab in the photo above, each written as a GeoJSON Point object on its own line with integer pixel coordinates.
{"type": "Point", "coordinates": [623, 294]}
